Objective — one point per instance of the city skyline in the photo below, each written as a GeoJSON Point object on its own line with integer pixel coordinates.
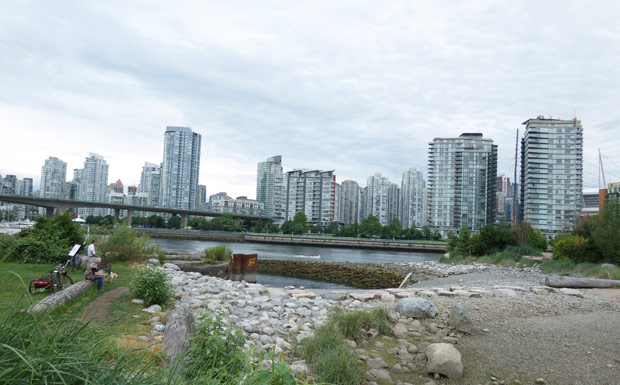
{"type": "Point", "coordinates": [357, 88]}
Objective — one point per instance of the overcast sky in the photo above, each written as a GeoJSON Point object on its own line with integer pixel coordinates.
{"type": "Point", "coordinates": [358, 87]}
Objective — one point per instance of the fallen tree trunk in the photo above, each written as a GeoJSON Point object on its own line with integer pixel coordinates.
{"type": "Point", "coordinates": [581, 283]}
{"type": "Point", "coordinates": [54, 301]}
{"type": "Point", "coordinates": [179, 327]}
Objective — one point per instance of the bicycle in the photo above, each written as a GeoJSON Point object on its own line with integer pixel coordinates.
{"type": "Point", "coordinates": [56, 279]}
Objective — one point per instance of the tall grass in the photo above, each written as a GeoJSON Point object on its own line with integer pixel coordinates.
{"type": "Point", "coordinates": [583, 269]}
{"type": "Point", "coordinates": [327, 351]}
{"type": "Point", "coordinates": [217, 254]}
{"type": "Point", "coordinates": [43, 350]}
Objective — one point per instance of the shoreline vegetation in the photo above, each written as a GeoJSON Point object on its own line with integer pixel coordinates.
{"type": "Point", "coordinates": [60, 348]}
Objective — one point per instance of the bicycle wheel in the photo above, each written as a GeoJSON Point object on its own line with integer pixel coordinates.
{"type": "Point", "coordinates": [66, 281]}
{"type": "Point", "coordinates": [31, 288]}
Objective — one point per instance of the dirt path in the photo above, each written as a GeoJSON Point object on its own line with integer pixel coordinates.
{"type": "Point", "coordinates": [97, 310]}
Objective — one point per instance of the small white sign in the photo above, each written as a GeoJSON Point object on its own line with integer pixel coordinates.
{"type": "Point", "coordinates": [74, 250]}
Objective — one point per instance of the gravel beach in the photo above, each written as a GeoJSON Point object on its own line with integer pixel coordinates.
{"type": "Point", "coordinates": [555, 338]}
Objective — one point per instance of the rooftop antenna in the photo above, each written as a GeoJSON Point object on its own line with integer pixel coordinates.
{"type": "Point", "coordinates": [514, 184]}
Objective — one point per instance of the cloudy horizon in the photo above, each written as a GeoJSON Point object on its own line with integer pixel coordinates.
{"type": "Point", "coordinates": [357, 87]}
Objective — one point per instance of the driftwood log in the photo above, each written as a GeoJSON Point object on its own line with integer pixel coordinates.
{"type": "Point", "coordinates": [581, 283]}
{"type": "Point", "coordinates": [179, 327]}
{"type": "Point", "coordinates": [59, 298]}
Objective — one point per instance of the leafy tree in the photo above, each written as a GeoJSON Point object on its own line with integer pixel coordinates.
{"type": "Point", "coordinates": [606, 231]}
{"type": "Point", "coordinates": [258, 226]}
{"type": "Point", "coordinates": [156, 221]}
{"type": "Point", "coordinates": [316, 229]}
{"type": "Point", "coordinates": [287, 227]}
{"type": "Point", "coordinates": [426, 231]}
{"type": "Point", "coordinates": [574, 248]}
{"type": "Point", "coordinates": [174, 222]}
{"type": "Point", "coordinates": [272, 227]}
{"type": "Point", "coordinates": [300, 223]}
{"type": "Point", "coordinates": [370, 227]}
{"type": "Point", "coordinates": [332, 228]}
{"type": "Point", "coordinates": [413, 233]}
{"type": "Point", "coordinates": [49, 240]}
{"type": "Point", "coordinates": [349, 230]}
{"type": "Point", "coordinates": [436, 236]}
{"type": "Point", "coordinates": [227, 223]}
{"type": "Point", "coordinates": [393, 230]}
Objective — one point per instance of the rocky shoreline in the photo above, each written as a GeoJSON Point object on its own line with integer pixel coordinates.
{"type": "Point", "coordinates": [495, 298]}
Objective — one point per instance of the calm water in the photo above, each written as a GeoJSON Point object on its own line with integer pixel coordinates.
{"type": "Point", "coordinates": [328, 254]}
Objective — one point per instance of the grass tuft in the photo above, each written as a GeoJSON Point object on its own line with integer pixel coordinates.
{"type": "Point", "coordinates": [327, 351]}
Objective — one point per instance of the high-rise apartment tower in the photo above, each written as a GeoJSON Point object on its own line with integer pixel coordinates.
{"type": "Point", "coordinates": [181, 166]}
{"type": "Point", "coordinates": [462, 182]}
{"type": "Point", "coordinates": [551, 174]}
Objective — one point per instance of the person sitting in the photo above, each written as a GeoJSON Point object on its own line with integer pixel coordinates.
{"type": "Point", "coordinates": [94, 274]}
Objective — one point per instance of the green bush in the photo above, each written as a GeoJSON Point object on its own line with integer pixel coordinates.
{"type": "Point", "coordinates": [574, 248]}
{"type": "Point", "coordinates": [151, 284]}
{"type": "Point", "coordinates": [49, 240]}
{"type": "Point", "coordinates": [216, 254]}
{"type": "Point", "coordinates": [123, 245]}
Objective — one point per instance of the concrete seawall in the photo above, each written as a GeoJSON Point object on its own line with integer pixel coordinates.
{"type": "Point", "coordinates": [348, 243]}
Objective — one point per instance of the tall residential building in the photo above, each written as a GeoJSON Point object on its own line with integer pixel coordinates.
{"type": "Point", "coordinates": [462, 182]}
{"type": "Point", "coordinates": [424, 207]}
{"type": "Point", "coordinates": [93, 184]}
{"type": "Point", "coordinates": [349, 202]}
{"type": "Point", "coordinates": [53, 178]}
{"type": "Point", "coordinates": [181, 166]}
{"type": "Point", "coordinates": [411, 189]}
{"type": "Point", "coordinates": [150, 184]}
{"type": "Point", "coordinates": [270, 188]}
{"type": "Point", "coordinates": [551, 174]}
{"type": "Point", "coordinates": [9, 185]}
{"type": "Point", "coordinates": [312, 192]}
{"type": "Point", "coordinates": [377, 197]}
{"type": "Point", "coordinates": [336, 203]}
{"type": "Point", "coordinates": [25, 187]}
{"type": "Point", "coordinates": [393, 202]}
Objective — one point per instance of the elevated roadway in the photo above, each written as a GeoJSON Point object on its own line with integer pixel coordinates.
{"type": "Point", "coordinates": [61, 205]}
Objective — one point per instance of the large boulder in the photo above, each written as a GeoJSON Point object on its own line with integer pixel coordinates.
{"type": "Point", "coordinates": [444, 359]}
{"type": "Point", "coordinates": [416, 308]}
{"type": "Point", "coordinates": [459, 318]}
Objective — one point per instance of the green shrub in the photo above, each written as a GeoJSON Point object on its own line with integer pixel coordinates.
{"type": "Point", "coordinates": [49, 240]}
{"type": "Point", "coordinates": [151, 284]}
{"type": "Point", "coordinates": [574, 248]}
{"type": "Point", "coordinates": [123, 245]}
{"type": "Point", "coordinates": [217, 254]}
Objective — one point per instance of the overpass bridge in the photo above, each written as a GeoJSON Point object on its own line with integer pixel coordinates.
{"type": "Point", "coordinates": [62, 205]}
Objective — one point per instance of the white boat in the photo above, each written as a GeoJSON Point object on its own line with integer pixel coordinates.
{"type": "Point", "coordinates": [313, 256]}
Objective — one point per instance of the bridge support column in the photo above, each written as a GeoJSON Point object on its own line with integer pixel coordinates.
{"type": "Point", "coordinates": [184, 218]}
{"type": "Point", "coordinates": [117, 213]}
{"type": "Point", "coordinates": [129, 216]}
{"type": "Point", "coordinates": [61, 209]}
{"type": "Point", "coordinates": [49, 212]}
